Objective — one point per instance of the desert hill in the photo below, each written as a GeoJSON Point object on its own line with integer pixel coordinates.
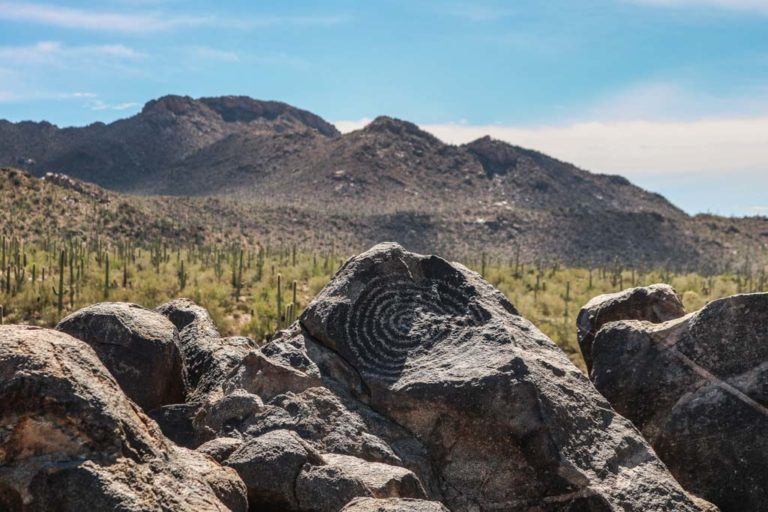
{"type": "Point", "coordinates": [234, 166]}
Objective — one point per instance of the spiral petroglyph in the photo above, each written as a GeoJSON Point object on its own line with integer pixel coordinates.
{"type": "Point", "coordinates": [395, 316]}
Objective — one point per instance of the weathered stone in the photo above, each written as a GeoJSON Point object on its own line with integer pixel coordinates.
{"type": "Point", "coordinates": [138, 346]}
{"type": "Point", "coordinates": [655, 303]}
{"type": "Point", "coordinates": [327, 489]}
{"type": "Point", "coordinates": [269, 465]}
{"type": "Point", "coordinates": [383, 480]}
{"type": "Point", "coordinates": [697, 387]}
{"type": "Point", "coordinates": [396, 505]}
{"type": "Point", "coordinates": [330, 416]}
{"type": "Point", "coordinates": [70, 439]}
{"type": "Point", "coordinates": [220, 448]}
{"type": "Point", "coordinates": [508, 422]}
{"type": "Point", "coordinates": [221, 417]}
{"type": "Point", "coordinates": [207, 356]}
{"type": "Point", "coordinates": [177, 423]}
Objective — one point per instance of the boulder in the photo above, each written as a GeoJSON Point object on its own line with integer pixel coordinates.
{"type": "Point", "coordinates": [655, 303]}
{"type": "Point", "coordinates": [507, 421]}
{"type": "Point", "coordinates": [313, 392]}
{"type": "Point", "coordinates": [208, 358]}
{"type": "Point", "coordinates": [697, 387]}
{"type": "Point", "coordinates": [383, 480]}
{"type": "Point", "coordinates": [269, 465]}
{"type": "Point", "coordinates": [393, 505]}
{"type": "Point", "coordinates": [327, 489]}
{"type": "Point", "coordinates": [220, 448]}
{"type": "Point", "coordinates": [177, 423]}
{"type": "Point", "coordinates": [138, 346]}
{"type": "Point", "coordinates": [71, 440]}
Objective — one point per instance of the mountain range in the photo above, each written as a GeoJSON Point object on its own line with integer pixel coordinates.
{"type": "Point", "coordinates": [255, 162]}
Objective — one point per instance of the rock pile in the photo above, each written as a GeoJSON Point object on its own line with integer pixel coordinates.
{"type": "Point", "coordinates": [697, 388]}
{"type": "Point", "coordinates": [70, 440]}
{"type": "Point", "coordinates": [409, 384]}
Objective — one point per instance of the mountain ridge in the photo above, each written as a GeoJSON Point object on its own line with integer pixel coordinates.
{"type": "Point", "coordinates": [387, 179]}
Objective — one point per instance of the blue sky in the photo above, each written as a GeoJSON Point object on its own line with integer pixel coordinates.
{"type": "Point", "coordinates": [670, 93]}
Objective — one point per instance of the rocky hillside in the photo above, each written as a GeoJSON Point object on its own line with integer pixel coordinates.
{"type": "Point", "coordinates": [122, 154]}
{"type": "Point", "coordinates": [408, 385]}
{"type": "Point", "coordinates": [275, 170]}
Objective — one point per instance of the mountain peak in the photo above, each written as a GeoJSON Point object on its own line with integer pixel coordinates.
{"type": "Point", "coordinates": [239, 109]}
{"type": "Point", "coordinates": [395, 126]}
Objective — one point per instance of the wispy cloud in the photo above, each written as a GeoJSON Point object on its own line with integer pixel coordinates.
{"type": "Point", "coordinates": [56, 53]}
{"type": "Point", "coordinates": [760, 6]}
{"type": "Point", "coordinates": [141, 22]}
{"type": "Point", "coordinates": [97, 104]}
{"type": "Point", "coordinates": [475, 12]}
{"type": "Point", "coordinates": [206, 53]}
{"type": "Point", "coordinates": [67, 17]}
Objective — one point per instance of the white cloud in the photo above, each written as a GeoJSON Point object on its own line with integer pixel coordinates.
{"type": "Point", "coordinates": [760, 6]}
{"type": "Point", "coordinates": [67, 17]}
{"type": "Point", "coordinates": [97, 104]}
{"type": "Point", "coordinates": [673, 102]}
{"type": "Point", "coordinates": [56, 53]}
{"type": "Point", "coordinates": [475, 12]}
{"type": "Point", "coordinates": [631, 148]}
{"type": "Point", "coordinates": [141, 22]}
{"type": "Point", "coordinates": [204, 52]}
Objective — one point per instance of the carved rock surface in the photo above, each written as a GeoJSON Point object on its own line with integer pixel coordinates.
{"type": "Point", "coordinates": [697, 387]}
{"type": "Point", "coordinates": [507, 421]}
{"type": "Point", "coordinates": [655, 303]}
{"type": "Point", "coordinates": [70, 440]}
{"type": "Point", "coordinates": [138, 346]}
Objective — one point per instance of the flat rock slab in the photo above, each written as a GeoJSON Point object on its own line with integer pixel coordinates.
{"type": "Point", "coordinates": [697, 387]}
{"type": "Point", "coordinates": [507, 421]}
{"type": "Point", "coordinates": [138, 346]}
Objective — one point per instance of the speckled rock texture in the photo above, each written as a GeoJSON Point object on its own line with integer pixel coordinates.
{"type": "Point", "coordinates": [507, 422]}
{"type": "Point", "coordinates": [697, 388]}
{"type": "Point", "coordinates": [655, 303]}
{"type": "Point", "coordinates": [70, 440]}
{"type": "Point", "coordinates": [139, 347]}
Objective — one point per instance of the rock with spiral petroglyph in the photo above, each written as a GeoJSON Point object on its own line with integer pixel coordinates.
{"type": "Point", "coordinates": [697, 388]}
{"type": "Point", "coordinates": [507, 421]}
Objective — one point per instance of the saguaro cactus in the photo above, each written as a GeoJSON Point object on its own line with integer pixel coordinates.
{"type": "Point", "coordinates": [60, 292]}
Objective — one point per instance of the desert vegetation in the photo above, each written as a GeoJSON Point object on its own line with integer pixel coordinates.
{"type": "Point", "coordinates": [256, 289]}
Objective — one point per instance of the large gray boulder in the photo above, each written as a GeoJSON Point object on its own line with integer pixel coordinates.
{"type": "Point", "coordinates": [70, 440]}
{"type": "Point", "coordinates": [655, 303]}
{"type": "Point", "coordinates": [508, 423]}
{"type": "Point", "coordinates": [697, 387]}
{"type": "Point", "coordinates": [138, 346]}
